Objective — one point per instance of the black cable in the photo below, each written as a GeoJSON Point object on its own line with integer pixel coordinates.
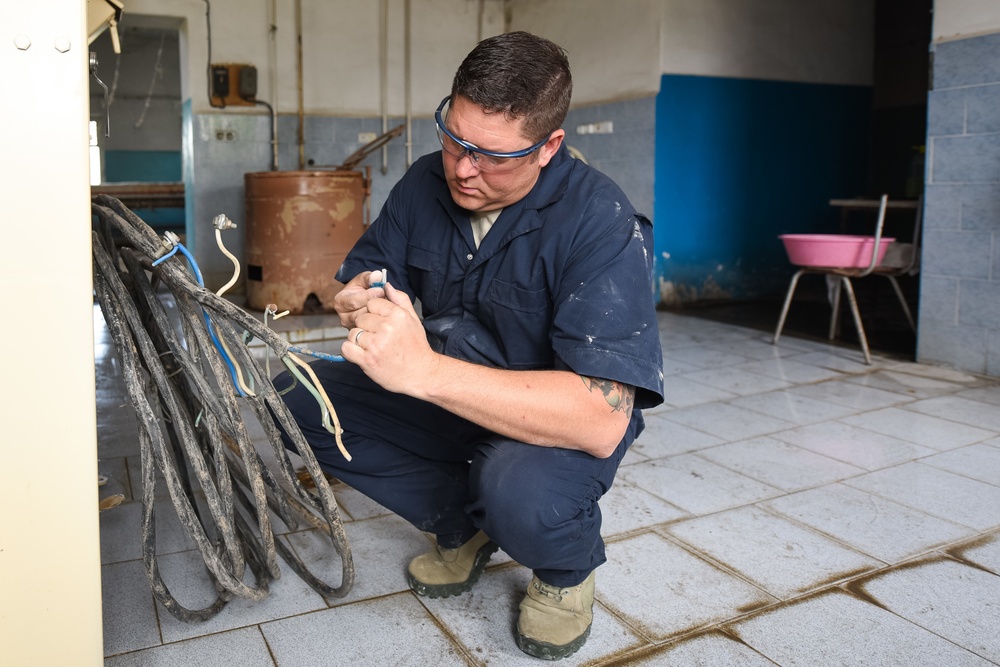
{"type": "Point", "coordinates": [208, 24]}
{"type": "Point", "coordinates": [191, 427]}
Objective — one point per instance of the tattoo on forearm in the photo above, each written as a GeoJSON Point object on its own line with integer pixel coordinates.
{"type": "Point", "coordinates": [619, 396]}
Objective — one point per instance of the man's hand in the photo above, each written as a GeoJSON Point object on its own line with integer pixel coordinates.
{"type": "Point", "coordinates": [389, 343]}
{"type": "Point", "coordinates": [352, 301]}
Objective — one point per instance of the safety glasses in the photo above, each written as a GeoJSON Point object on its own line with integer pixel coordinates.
{"type": "Point", "coordinates": [488, 161]}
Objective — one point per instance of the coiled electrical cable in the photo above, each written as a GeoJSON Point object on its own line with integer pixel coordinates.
{"type": "Point", "coordinates": [191, 427]}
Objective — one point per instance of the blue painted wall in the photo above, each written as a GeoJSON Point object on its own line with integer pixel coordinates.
{"type": "Point", "coordinates": [147, 167]}
{"type": "Point", "coordinates": [740, 161]}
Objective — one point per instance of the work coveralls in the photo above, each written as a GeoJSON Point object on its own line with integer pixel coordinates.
{"type": "Point", "coordinates": [561, 281]}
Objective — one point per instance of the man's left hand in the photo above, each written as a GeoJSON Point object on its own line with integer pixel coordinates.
{"type": "Point", "coordinates": [390, 345]}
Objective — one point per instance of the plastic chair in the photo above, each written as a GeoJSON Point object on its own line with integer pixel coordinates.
{"type": "Point", "coordinates": [898, 259]}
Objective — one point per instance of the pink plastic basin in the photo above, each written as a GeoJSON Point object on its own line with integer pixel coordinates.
{"type": "Point", "coordinates": [833, 250]}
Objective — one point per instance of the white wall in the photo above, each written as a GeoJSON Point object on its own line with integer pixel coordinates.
{"type": "Point", "coordinates": [963, 18]}
{"type": "Point", "coordinates": [341, 51]}
{"type": "Point", "coordinates": [50, 604]}
{"type": "Point", "coordinates": [785, 40]}
{"type": "Point", "coordinates": [613, 47]}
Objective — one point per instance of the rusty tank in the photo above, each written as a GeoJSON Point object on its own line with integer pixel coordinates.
{"type": "Point", "coordinates": [300, 227]}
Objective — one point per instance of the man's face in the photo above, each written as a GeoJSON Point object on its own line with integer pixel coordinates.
{"type": "Point", "coordinates": [477, 190]}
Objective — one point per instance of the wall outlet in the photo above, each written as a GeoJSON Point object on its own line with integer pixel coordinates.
{"type": "Point", "coordinates": [604, 127]}
{"type": "Point", "coordinates": [366, 137]}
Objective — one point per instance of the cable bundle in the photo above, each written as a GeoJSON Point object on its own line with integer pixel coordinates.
{"type": "Point", "coordinates": [185, 392]}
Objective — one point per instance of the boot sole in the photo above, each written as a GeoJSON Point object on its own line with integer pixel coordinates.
{"type": "Point", "coordinates": [447, 590]}
{"type": "Point", "coordinates": [546, 651]}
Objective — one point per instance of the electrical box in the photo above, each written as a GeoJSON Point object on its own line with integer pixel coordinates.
{"type": "Point", "coordinates": [234, 85]}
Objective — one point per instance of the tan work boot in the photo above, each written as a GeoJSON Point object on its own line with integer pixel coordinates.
{"type": "Point", "coordinates": [445, 572]}
{"type": "Point", "coordinates": [555, 622]}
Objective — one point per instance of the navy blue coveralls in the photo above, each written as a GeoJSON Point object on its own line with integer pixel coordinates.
{"type": "Point", "coordinates": [562, 281]}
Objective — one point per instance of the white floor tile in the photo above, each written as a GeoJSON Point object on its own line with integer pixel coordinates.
{"type": "Point", "coordinates": [735, 381]}
{"type": "Point", "coordinates": [852, 395]}
{"type": "Point", "coordinates": [792, 406]}
{"type": "Point", "coordinates": [130, 622]}
{"type": "Point", "coordinates": [843, 359]}
{"type": "Point", "coordinates": [989, 394]}
{"type": "Point", "coordinates": [983, 551]}
{"type": "Point", "coordinates": [961, 410]}
{"type": "Point", "coordinates": [626, 507]}
{"type": "Point", "coordinates": [919, 429]}
{"type": "Point", "coordinates": [664, 590]}
{"type": "Point", "coordinates": [728, 422]}
{"type": "Point", "coordinates": [955, 601]}
{"type": "Point", "coordinates": [937, 492]}
{"type": "Point", "coordinates": [394, 630]}
{"type": "Point", "coordinates": [914, 386]}
{"type": "Point", "coordinates": [237, 648]}
{"type": "Point", "coordinates": [713, 648]}
{"type": "Point", "coordinates": [680, 391]}
{"type": "Point", "coordinates": [837, 629]}
{"type": "Point", "coordinates": [878, 527]}
{"type": "Point", "coordinates": [851, 444]}
{"type": "Point", "coordinates": [696, 485]}
{"type": "Point", "coordinates": [783, 558]}
{"type": "Point", "coordinates": [779, 464]}
{"type": "Point", "coordinates": [790, 370]}
{"type": "Point", "coordinates": [663, 437]}
{"type": "Point", "coordinates": [703, 357]}
{"type": "Point", "coordinates": [980, 462]}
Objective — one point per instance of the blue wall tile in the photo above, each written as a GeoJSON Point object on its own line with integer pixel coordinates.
{"type": "Point", "coordinates": [955, 346]}
{"type": "Point", "coordinates": [983, 103]}
{"type": "Point", "coordinates": [966, 159]}
{"type": "Point", "coordinates": [954, 253]}
{"type": "Point", "coordinates": [981, 208]}
{"type": "Point", "coordinates": [939, 300]}
{"type": "Point", "coordinates": [967, 62]}
{"type": "Point", "coordinates": [942, 207]}
{"type": "Point", "coordinates": [945, 112]}
{"type": "Point", "coordinates": [979, 304]}
{"type": "Point", "coordinates": [993, 354]}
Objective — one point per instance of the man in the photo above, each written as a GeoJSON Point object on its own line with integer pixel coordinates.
{"type": "Point", "coordinates": [498, 419]}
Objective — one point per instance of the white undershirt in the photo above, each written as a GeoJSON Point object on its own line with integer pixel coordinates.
{"type": "Point", "coordinates": [481, 224]}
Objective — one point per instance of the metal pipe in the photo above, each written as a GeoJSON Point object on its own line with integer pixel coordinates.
{"type": "Point", "coordinates": [384, 74]}
{"type": "Point", "coordinates": [302, 119]}
{"type": "Point", "coordinates": [406, 75]}
{"type": "Point", "coordinates": [272, 57]}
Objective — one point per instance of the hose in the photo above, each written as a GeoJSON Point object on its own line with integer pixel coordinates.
{"type": "Point", "coordinates": [191, 428]}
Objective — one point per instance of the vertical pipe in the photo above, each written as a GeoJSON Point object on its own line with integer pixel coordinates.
{"type": "Point", "coordinates": [302, 129]}
{"type": "Point", "coordinates": [272, 56]}
{"type": "Point", "coordinates": [406, 74]}
{"type": "Point", "coordinates": [384, 73]}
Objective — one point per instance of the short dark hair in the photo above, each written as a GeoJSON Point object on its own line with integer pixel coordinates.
{"type": "Point", "coordinates": [522, 76]}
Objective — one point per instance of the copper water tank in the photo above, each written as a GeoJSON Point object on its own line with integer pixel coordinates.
{"type": "Point", "coordinates": [300, 226]}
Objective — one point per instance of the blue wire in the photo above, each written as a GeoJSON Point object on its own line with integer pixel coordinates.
{"type": "Point", "coordinates": [318, 355]}
{"type": "Point", "coordinates": [166, 257]}
{"type": "Point", "coordinates": [208, 320]}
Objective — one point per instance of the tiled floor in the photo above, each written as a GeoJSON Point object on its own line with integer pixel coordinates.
{"type": "Point", "coordinates": [788, 505]}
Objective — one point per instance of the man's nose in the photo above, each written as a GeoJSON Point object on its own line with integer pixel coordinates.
{"type": "Point", "coordinates": [466, 167]}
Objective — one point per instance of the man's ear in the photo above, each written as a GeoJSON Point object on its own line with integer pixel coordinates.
{"type": "Point", "coordinates": [551, 146]}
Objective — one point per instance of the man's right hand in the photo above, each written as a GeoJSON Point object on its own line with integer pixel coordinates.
{"type": "Point", "coordinates": [353, 300]}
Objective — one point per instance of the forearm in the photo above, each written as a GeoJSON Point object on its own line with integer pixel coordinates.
{"type": "Point", "coordinates": [545, 408]}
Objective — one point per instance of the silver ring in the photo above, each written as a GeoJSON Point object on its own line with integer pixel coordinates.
{"type": "Point", "coordinates": [357, 337]}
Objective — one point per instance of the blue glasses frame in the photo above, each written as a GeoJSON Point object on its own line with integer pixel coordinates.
{"type": "Point", "coordinates": [471, 149]}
